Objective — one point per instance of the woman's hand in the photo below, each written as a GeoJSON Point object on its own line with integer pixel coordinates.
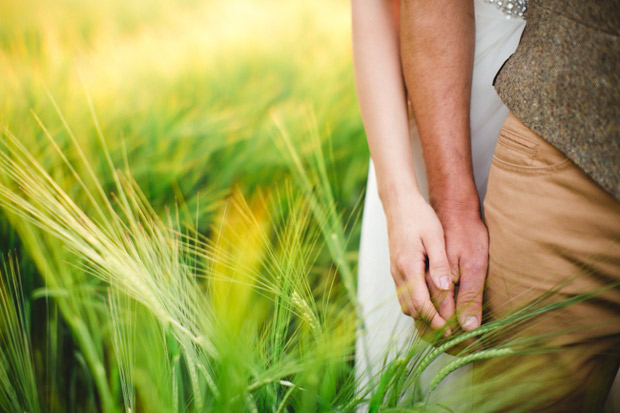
{"type": "Point", "coordinates": [416, 242]}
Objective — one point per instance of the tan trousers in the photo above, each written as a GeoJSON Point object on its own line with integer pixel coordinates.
{"type": "Point", "coordinates": [550, 227]}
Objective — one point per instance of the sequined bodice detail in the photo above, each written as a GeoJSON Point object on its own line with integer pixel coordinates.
{"type": "Point", "coordinates": [511, 8]}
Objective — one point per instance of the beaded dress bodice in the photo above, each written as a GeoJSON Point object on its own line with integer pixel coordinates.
{"type": "Point", "coordinates": [511, 8]}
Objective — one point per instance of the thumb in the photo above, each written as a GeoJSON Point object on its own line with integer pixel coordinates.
{"type": "Point", "coordinates": [438, 265]}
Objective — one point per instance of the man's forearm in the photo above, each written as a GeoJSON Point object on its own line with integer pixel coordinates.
{"type": "Point", "coordinates": [437, 48]}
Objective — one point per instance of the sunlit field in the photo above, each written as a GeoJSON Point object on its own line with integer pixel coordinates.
{"type": "Point", "coordinates": [181, 189]}
{"type": "Point", "coordinates": [182, 183]}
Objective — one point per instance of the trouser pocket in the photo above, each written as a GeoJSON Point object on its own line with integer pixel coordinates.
{"type": "Point", "coordinates": [521, 150]}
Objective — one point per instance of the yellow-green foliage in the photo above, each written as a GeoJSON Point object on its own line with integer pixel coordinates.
{"type": "Point", "coordinates": [212, 285]}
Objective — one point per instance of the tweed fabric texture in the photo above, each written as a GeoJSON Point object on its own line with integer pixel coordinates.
{"type": "Point", "coordinates": [563, 82]}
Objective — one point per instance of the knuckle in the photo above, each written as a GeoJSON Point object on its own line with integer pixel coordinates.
{"type": "Point", "coordinates": [403, 263]}
{"type": "Point", "coordinates": [418, 304]}
{"type": "Point", "coordinates": [438, 268]}
{"type": "Point", "coordinates": [469, 297]}
{"type": "Point", "coordinates": [474, 268]}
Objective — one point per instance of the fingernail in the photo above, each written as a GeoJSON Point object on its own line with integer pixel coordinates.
{"type": "Point", "coordinates": [471, 323]}
{"type": "Point", "coordinates": [447, 333]}
{"type": "Point", "coordinates": [444, 282]}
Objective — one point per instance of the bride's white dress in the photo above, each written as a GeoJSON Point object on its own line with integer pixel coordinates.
{"type": "Point", "coordinates": [386, 330]}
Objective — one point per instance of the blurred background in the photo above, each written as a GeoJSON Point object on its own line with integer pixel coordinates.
{"type": "Point", "coordinates": [182, 183]}
{"type": "Point", "coordinates": [189, 89]}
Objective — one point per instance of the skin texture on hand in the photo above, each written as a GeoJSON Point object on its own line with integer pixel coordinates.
{"type": "Point", "coordinates": [416, 238]}
{"type": "Point", "coordinates": [414, 230]}
{"type": "Point", "coordinates": [467, 247]}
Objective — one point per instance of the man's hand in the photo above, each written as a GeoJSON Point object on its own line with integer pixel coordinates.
{"type": "Point", "coordinates": [416, 240]}
{"type": "Point", "coordinates": [437, 45]}
{"type": "Point", "coordinates": [467, 247]}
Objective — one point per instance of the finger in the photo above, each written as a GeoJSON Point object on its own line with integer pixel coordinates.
{"type": "Point", "coordinates": [453, 260]}
{"type": "Point", "coordinates": [401, 267]}
{"type": "Point", "coordinates": [402, 292]}
{"type": "Point", "coordinates": [429, 334]}
{"type": "Point", "coordinates": [444, 301]}
{"type": "Point", "coordinates": [438, 264]}
{"type": "Point", "coordinates": [423, 306]}
{"type": "Point", "coordinates": [415, 295]}
{"type": "Point", "coordinates": [471, 287]}
{"type": "Point", "coordinates": [404, 296]}
{"type": "Point", "coordinates": [430, 315]}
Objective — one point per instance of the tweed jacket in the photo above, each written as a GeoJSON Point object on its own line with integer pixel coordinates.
{"type": "Point", "coordinates": [563, 82]}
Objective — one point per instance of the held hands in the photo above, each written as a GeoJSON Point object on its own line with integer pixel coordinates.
{"type": "Point", "coordinates": [467, 247]}
{"type": "Point", "coordinates": [415, 239]}
{"type": "Point", "coordinates": [428, 259]}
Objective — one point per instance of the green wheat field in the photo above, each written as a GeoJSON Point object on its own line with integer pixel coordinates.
{"type": "Point", "coordinates": [181, 185]}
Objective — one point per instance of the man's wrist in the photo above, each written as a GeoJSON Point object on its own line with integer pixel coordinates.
{"type": "Point", "coordinates": [462, 202]}
{"type": "Point", "coordinates": [455, 198]}
{"type": "Point", "coordinates": [450, 177]}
